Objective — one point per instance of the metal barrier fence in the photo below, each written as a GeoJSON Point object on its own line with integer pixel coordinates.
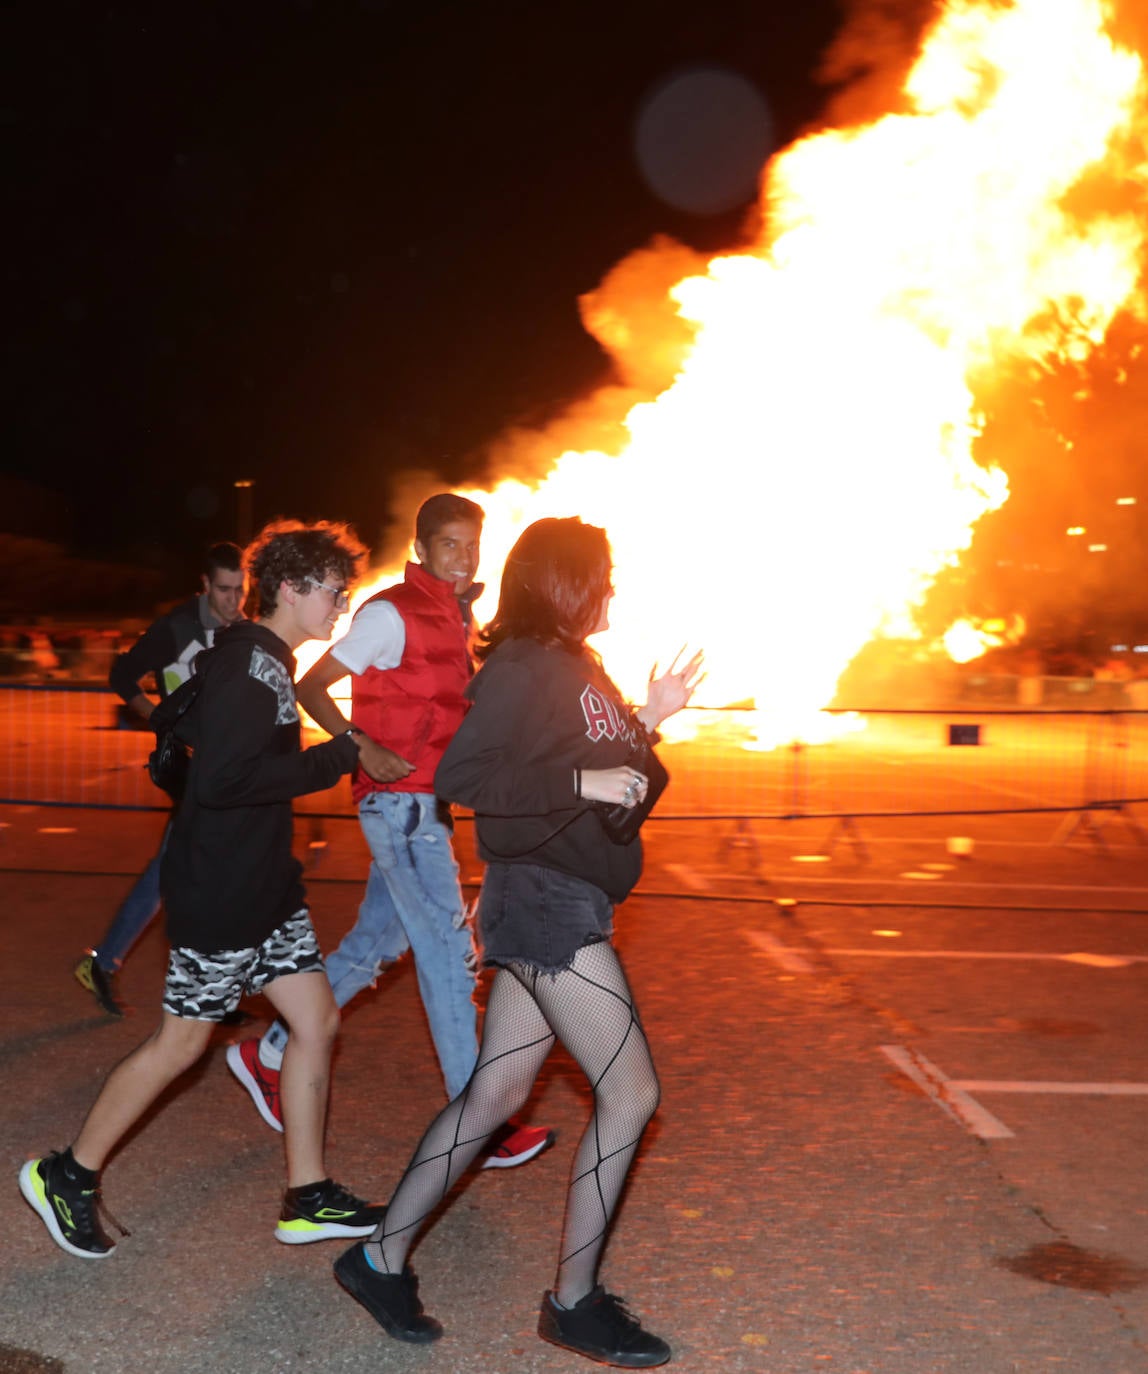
{"type": "Point", "coordinates": [64, 746]}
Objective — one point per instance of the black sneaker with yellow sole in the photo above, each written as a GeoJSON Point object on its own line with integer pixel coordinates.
{"type": "Point", "coordinates": [325, 1211]}
{"type": "Point", "coordinates": [69, 1210]}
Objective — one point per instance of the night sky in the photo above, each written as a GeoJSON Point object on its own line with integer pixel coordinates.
{"type": "Point", "coordinates": [317, 244]}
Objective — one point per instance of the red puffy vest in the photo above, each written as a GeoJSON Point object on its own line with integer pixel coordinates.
{"type": "Point", "coordinates": [415, 708]}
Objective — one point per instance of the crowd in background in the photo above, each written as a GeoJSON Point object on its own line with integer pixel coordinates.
{"type": "Point", "coordinates": [83, 654]}
{"type": "Point", "coordinates": [64, 653]}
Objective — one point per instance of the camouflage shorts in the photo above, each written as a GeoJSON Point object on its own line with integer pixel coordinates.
{"type": "Point", "coordinates": [205, 987]}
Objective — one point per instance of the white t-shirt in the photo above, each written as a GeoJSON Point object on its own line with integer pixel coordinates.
{"type": "Point", "coordinates": [376, 639]}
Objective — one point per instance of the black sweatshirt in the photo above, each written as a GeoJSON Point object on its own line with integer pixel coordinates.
{"type": "Point", "coordinates": [538, 714]}
{"type": "Point", "coordinates": [165, 650]}
{"type": "Point", "coordinates": [228, 876]}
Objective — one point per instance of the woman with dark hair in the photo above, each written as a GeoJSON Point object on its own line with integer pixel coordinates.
{"type": "Point", "coordinates": [548, 735]}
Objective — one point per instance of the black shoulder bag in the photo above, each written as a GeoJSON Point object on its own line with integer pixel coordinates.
{"type": "Point", "coordinates": [169, 762]}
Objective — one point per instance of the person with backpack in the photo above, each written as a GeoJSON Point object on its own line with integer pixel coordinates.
{"type": "Point", "coordinates": [235, 905]}
{"type": "Point", "coordinates": [165, 652]}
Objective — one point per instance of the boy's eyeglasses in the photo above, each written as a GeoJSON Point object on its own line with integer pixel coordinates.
{"type": "Point", "coordinates": [338, 594]}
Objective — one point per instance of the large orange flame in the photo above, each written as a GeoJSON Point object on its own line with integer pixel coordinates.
{"type": "Point", "coordinates": [799, 484]}
{"type": "Point", "coordinates": [966, 640]}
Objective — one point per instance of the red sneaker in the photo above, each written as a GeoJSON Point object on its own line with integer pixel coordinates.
{"type": "Point", "coordinates": [514, 1144]}
{"type": "Point", "coordinates": [260, 1081]}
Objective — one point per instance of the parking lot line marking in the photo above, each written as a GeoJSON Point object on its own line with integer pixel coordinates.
{"type": "Point", "coordinates": [956, 885]}
{"type": "Point", "coordinates": [953, 1100]}
{"type": "Point", "coordinates": [1085, 960]}
{"type": "Point", "coordinates": [688, 877]}
{"type": "Point", "coordinates": [784, 957]}
{"type": "Point", "coordinates": [1104, 960]}
{"type": "Point", "coordinates": [1007, 1085]}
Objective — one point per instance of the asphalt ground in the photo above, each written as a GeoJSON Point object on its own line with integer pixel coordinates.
{"type": "Point", "coordinates": [829, 1183]}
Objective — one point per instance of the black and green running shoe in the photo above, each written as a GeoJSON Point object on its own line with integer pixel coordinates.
{"type": "Point", "coordinates": [68, 1209]}
{"type": "Point", "coordinates": [324, 1211]}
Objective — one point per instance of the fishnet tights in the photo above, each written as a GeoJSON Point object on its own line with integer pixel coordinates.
{"type": "Point", "coordinates": [590, 1009]}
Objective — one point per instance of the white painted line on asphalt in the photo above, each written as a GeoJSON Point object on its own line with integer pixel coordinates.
{"type": "Point", "coordinates": [1087, 960]}
{"type": "Point", "coordinates": [952, 1099]}
{"type": "Point", "coordinates": [688, 877]}
{"type": "Point", "coordinates": [1104, 960]}
{"type": "Point", "coordinates": [982, 841]}
{"type": "Point", "coordinates": [784, 957]}
{"type": "Point", "coordinates": [955, 886]}
{"type": "Point", "coordinates": [1008, 1085]}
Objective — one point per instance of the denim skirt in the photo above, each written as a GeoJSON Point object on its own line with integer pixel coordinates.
{"type": "Point", "coordinates": [537, 916]}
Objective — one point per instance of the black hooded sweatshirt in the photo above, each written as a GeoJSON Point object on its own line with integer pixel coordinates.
{"type": "Point", "coordinates": [538, 714]}
{"type": "Point", "coordinates": [228, 875]}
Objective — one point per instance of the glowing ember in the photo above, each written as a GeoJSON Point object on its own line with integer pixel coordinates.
{"type": "Point", "coordinates": [797, 486]}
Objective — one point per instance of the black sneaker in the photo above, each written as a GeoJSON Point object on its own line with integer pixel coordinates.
{"type": "Point", "coordinates": [324, 1211]}
{"type": "Point", "coordinates": [392, 1299]}
{"type": "Point", "coordinates": [67, 1209]}
{"type": "Point", "coordinates": [599, 1327]}
{"type": "Point", "coordinates": [98, 982]}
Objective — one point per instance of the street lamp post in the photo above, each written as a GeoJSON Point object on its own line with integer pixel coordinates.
{"type": "Point", "coordinates": [244, 489]}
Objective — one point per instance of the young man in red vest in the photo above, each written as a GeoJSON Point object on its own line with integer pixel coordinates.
{"type": "Point", "coordinates": [408, 657]}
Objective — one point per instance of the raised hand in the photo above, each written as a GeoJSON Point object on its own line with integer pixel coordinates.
{"type": "Point", "coordinates": [672, 690]}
